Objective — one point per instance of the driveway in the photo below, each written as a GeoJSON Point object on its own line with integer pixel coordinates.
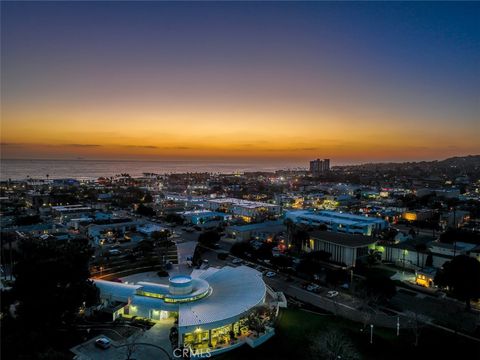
{"type": "Point", "coordinates": [147, 345]}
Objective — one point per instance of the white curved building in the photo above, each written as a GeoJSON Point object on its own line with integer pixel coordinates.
{"type": "Point", "coordinates": [211, 305]}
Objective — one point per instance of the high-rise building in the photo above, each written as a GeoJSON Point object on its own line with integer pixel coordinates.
{"type": "Point", "coordinates": [318, 166]}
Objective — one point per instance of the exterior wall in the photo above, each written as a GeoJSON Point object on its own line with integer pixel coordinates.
{"type": "Point", "coordinates": [248, 234]}
{"type": "Point", "coordinates": [411, 259]}
{"type": "Point", "coordinates": [340, 254]}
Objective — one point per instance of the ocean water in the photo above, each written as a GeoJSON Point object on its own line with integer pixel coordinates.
{"type": "Point", "coordinates": [93, 169]}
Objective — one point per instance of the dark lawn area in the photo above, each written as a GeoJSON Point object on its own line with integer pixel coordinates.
{"type": "Point", "coordinates": [295, 328]}
{"type": "Point", "coordinates": [375, 271]}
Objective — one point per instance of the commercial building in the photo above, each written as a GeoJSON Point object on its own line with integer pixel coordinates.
{"type": "Point", "coordinates": [68, 212]}
{"type": "Point", "coordinates": [261, 231]}
{"type": "Point", "coordinates": [318, 166]}
{"type": "Point", "coordinates": [149, 228]}
{"type": "Point", "coordinates": [345, 249]}
{"type": "Point", "coordinates": [203, 216]}
{"type": "Point", "coordinates": [435, 254]}
{"type": "Point", "coordinates": [246, 209]}
{"type": "Point", "coordinates": [212, 306]}
{"type": "Point", "coordinates": [338, 222]}
{"type": "Point", "coordinates": [98, 231]}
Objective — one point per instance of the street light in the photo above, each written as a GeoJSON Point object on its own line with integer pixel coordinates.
{"type": "Point", "coordinates": [371, 333]}
{"type": "Point", "coordinates": [398, 325]}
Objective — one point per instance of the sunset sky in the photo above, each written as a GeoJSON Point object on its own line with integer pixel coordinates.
{"type": "Point", "coordinates": [354, 82]}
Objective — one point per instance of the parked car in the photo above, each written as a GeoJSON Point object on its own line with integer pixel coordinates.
{"type": "Point", "coordinates": [313, 288]}
{"type": "Point", "coordinates": [270, 274]}
{"type": "Point", "coordinates": [103, 343]}
{"type": "Point", "coordinates": [236, 261]}
{"type": "Point", "coordinates": [332, 293]}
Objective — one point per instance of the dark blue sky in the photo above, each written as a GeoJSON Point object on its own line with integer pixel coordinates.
{"type": "Point", "coordinates": [415, 64]}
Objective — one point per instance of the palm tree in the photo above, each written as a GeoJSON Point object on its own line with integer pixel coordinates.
{"type": "Point", "coordinates": [290, 225]}
{"type": "Point", "coordinates": [420, 248]}
{"type": "Point", "coordinates": [373, 257]}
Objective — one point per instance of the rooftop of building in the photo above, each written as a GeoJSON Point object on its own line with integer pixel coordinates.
{"type": "Point", "coordinates": [334, 216]}
{"type": "Point", "coordinates": [259, 226]}
{"type": "Point", "coordinates": [241, 202]}
{"type": "Point", "coordinates": [348, 240]}
{"type": "Point", "coordinates": [235, 291]}
{"type": "Point", "coordinates": [203, 212]}
{"type": "Point", "coordinates": [232, 292]}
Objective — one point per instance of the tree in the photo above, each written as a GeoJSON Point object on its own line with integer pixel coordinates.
{"type": "Point", "coordinates": [264, 251]}
{"type": "Point", "coordinates": [145, 247]}
{"type": "Point", "coordinates": [417, 323]}
{"type": "Point", "coordinates": [429, 261]}
{"type": "Point", "coordinates": [240, 248]}
{"type": "Point", "coordinates": [147, 198]}
{"type": "Point", "coordinates": [420, 248]}
{"type": "Point", "coordinates": [333, 345]}
{"type": "Point", "coordinates": [260, 317]}
{"type": "Point", "coordinates": [197, 256]}
{"type": "Point", "coordinates": [379, 286]}
{"type": "Point", "coordinates": [52, 284]}
{"type": "Point", "coordinates": [145, 210]}
{"type": "Point", "coordinates": [373, 257]}
{"type": "Point", "coordinates": [209, 238]}
{"type": "Point", "coordinates": [300, 237]}
{"type": "Point", "coordinates": [462, 276]}
{"type": "Point", "coordinates": [160, 236]}
{"type": "Point", "coordinates": [281, 261]}
{"type": "Point", "coordinates": [27, 220]}
{"type": "Point", "coordinates": [290, 226]}
{"type": "Point", "coordinates": [174, 218]}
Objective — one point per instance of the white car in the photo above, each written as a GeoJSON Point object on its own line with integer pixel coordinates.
{"type": "Point", "coordinates": [270, 274]}
{"type": "Point", "coordinates": [236, 261]}
{"type": "Point", "coordinates": [332, 293]}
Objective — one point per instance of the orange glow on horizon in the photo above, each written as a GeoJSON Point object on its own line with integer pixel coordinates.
{"type": "Point", "coordinates": [285, 133]}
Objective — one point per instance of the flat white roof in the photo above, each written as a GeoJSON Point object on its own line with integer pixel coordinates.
{"type": "Point", "coordinates": [116, 291]}
{"type": "Point", "coordinates": [242, 202]}
{"type": "Point", "coordinates": [72, 208]}
{"type": "Point", "coordinates": [334, 217]}
{"type": "Point", "coordinates": [150, 228]}
{"type": "Point", "coordinates": [235, 291]}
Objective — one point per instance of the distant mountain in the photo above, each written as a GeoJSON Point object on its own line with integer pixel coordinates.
{"type": "Point", "coordinates": [457, 166]}
{"type": "Point", "coordinates": [457, 161]}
